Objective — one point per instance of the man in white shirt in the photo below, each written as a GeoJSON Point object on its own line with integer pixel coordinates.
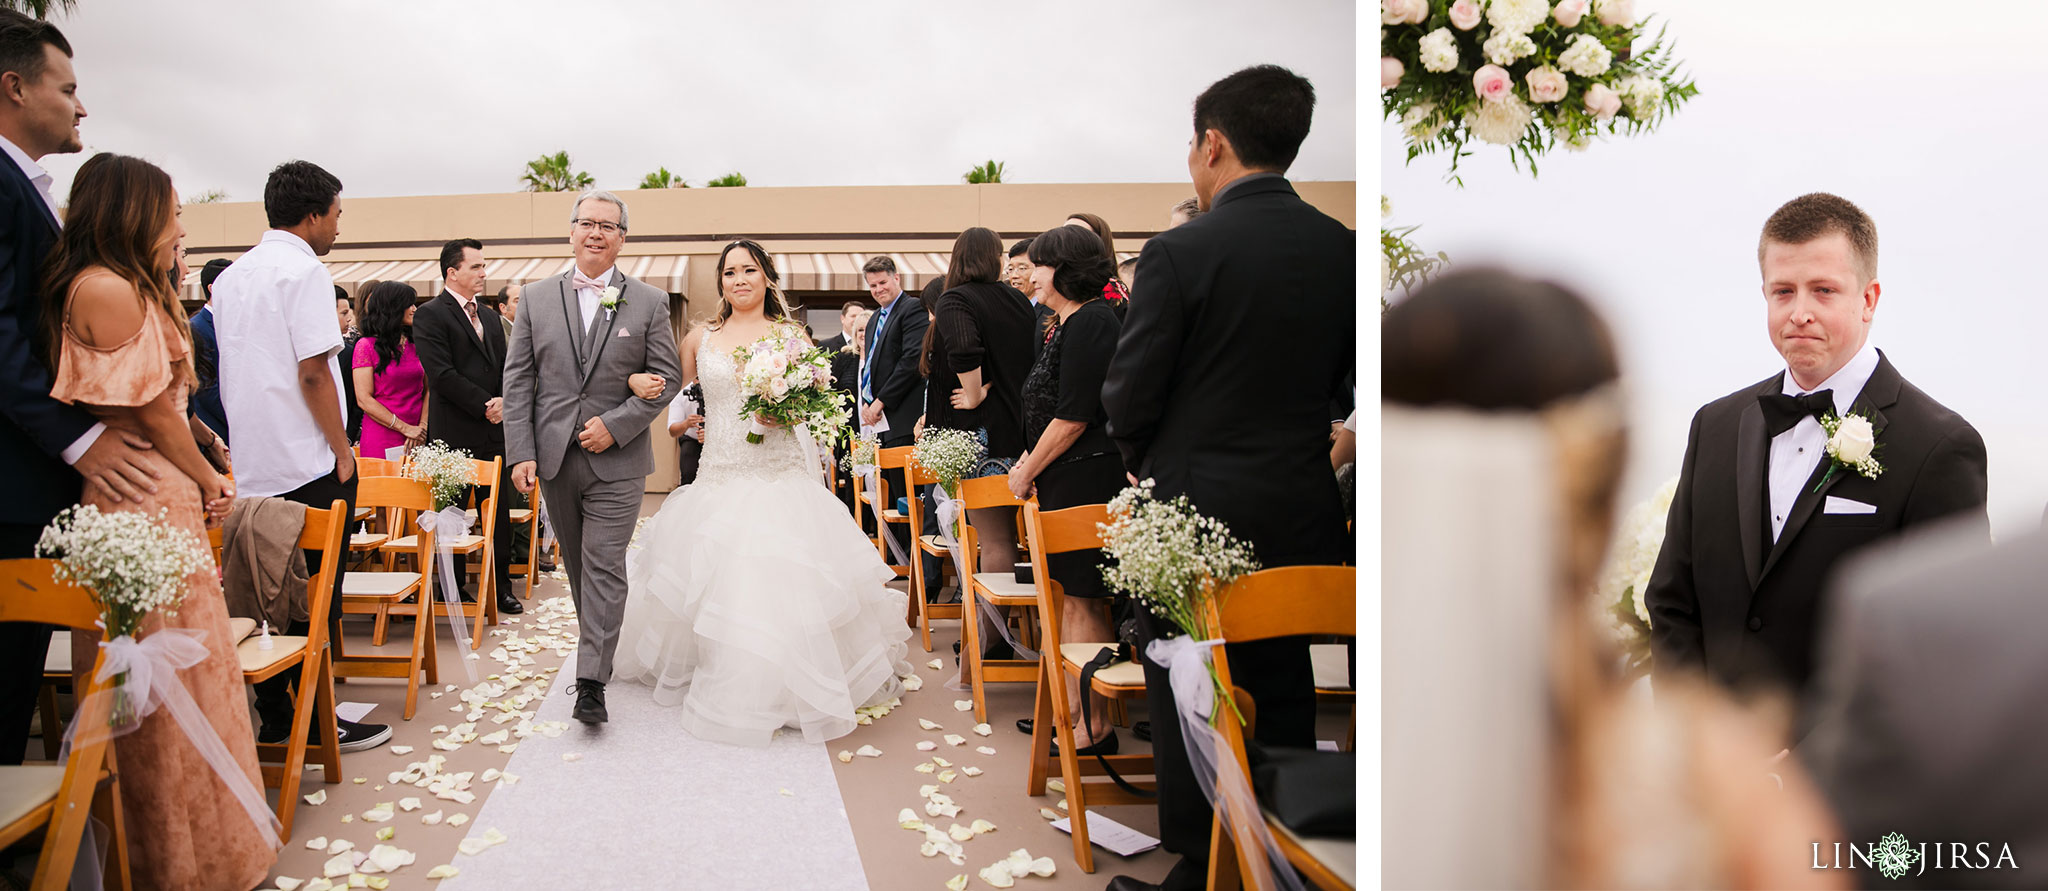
{"type": "Point", "coordinates": [281, 384]}
{"type": "Point", "coordinates": [39, 436]}
{"type": "Point", "coordinates": [686, 424]}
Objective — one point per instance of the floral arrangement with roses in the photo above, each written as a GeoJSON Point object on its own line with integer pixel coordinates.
{"type": "Point", "coordinates": [1619, 601]}
{"type": "Point", "coordinates": [1526, 74]}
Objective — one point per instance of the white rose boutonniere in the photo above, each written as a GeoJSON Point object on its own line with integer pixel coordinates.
{"type": "Point", "coordinates": [1852, 445]}
{"type": "Point", "coordinates": [610, 301]}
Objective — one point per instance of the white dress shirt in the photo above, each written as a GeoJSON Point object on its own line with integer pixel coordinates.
{"type": "Point", "coordinates": [1796, 452]}
{"type": "Point", "coordinates": [586, 298]}
{"type": "Point", "coordinates": [273, 309]}
{"type": "Point", "coordinates": [43, 181]}
{"type": "Point", "coordinates": [679, 410]}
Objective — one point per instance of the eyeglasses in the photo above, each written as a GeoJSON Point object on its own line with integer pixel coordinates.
{"type": "Point", "coordinates": [607, 227]}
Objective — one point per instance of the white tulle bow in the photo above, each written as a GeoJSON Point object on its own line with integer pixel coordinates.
{"type": "Point", "coordinates": [449, 524]}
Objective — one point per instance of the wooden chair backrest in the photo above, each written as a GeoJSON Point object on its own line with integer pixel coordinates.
{"type": "Point", "coordinates": [487, 475]}
{"type": "Point", "coordinates": [326, 531]}
{"type": "Point", "coordinates": [1057, 532]}
{"type": "Point", "coordinates": [914, 474]}
{"type": "Point", "coordinates": [892, 458]}
{"type": "Point", "coordinates": [368, 467]}
{"type": "Point", "coordinates": [977, 494]}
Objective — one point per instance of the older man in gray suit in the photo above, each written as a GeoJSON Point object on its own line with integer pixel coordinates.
{"type": "Point", "coordinates": [572, 422]}
{"type": "Point", "coordinates": [1926, 719]}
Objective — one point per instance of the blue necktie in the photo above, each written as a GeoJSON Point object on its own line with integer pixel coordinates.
{"type": "Point", "coordinates": [867, 368]}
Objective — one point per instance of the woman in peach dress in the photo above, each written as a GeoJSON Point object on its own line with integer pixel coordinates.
{"type": "Point", "coordinates": [120, 348]}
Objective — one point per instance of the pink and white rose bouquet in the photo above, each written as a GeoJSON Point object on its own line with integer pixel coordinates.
{"type": "Point", "coordinates": [788, 380]}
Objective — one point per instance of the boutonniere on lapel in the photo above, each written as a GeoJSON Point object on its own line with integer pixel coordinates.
{"type": "Point", "coordinates": [1852, 446]}
{"type": "Point", "coordinates": [610, 301]}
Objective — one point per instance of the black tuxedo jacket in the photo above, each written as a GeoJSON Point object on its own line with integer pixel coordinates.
{"type": "Point", "coordinates": [463, 373]}
{"type": "Point", "coordinates": [1723, 598]}
{"type": "Point", "coordinates": [34, 429]}
{"type": "Point", "coordinates": [893, 376]}
{"type": "Point", "coordinates": [1222, 380]}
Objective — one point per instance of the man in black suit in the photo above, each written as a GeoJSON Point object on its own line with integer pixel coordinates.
{"type": "Point", "coordinates": [1220, 391]}
{"type": "Point", "coordinates": [891, 389]}
{"type": "Point", "coordinates": [39, 436]}
{"type": "Point", "coordinates": [846, 374]}
{"type": "Point", "coordinates": [1764, 511]}
{"type": "Point", "coordinates": [206, 356]}
{"type": "Point", "coordinates": [461, 344]}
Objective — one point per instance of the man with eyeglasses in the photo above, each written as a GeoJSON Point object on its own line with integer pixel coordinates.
{"type": "Point", "coordinates": [574, 426]}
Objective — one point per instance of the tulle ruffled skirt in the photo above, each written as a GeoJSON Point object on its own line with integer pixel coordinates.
{"type": "Point", "coordinates": [757, 604]}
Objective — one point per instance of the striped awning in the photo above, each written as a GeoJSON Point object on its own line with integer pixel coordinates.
{"type": "Point", "coordinates": [670, 272]}
{"type": "Point", "coordinates": [841, 272]}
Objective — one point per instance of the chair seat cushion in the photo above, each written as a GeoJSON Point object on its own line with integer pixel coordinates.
{"type": "Point", "coordinates": [58, 661]}
{"type": "Point", "coordinates": [1002, 587]}
{"type": "Point", "coordinates": [465, 544]}
{"type": "Point", "coordinates": [364, 513]}
{"type": "Point", "coordinates": [282, 647]}
{"type": "Point", "coordinates": [1331, 665]}
{"type": "Point", "coordinates": [894, 516]}
{"type": "Point", "coordinates": [240, 627]}
{"type": "Point", "coordinates": [24, 787]}
{"type": "Point", "coordinates": [1116, 674]}
{"type": "Point", "coordinates": [931, 544]}
{"type": "Point", "coordinates": [379, 584]}
{"type": "Point", "coordinates": [363, 541]}
{"type": "Point", "coordinates": [520, 515]}
{"type": "Point", "coordinates": [1339, 855]}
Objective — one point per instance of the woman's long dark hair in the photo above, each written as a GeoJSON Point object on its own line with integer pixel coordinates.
{"type": "Point", "coordinates": [119, 219]}
{"type": "Point", "coordinates": [977, 257]}
{"type": "Point", "coordinates": [383, 320]}
{"type": "Point", "coordinates": [1080, 268]}
{"type": "Point", "coordinates": [773, 305]}
{"type": "Point", "coordinates": [1101, 229]}
{"type": "Point", "coordinates": [933, 290]}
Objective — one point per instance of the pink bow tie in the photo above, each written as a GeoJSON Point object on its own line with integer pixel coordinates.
{"type": "Point", "coordinates": [579, 281]}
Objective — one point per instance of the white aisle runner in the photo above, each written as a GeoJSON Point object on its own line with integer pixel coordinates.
{"type": "Point", "coordinates": [645, 805]}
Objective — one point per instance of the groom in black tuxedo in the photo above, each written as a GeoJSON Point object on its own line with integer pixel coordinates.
{"type": "Point", "coordinates": [1759, 521]}
{"type": "Point", "coordinates": [461, 343]}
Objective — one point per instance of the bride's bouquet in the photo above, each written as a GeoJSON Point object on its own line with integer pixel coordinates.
{"type": "Point", "coordinates": [1619, 601]}
{"type": "Point", "coordinates": [1172, 559]}
{"type": "Point", "coordinates": [788, 380]}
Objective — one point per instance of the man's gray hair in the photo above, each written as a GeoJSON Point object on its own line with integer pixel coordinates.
{"type": "Point", "coordinates": [599, 195]}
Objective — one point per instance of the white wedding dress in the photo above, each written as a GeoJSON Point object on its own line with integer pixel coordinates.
{"type": "Point", "coordinates": [755, 602]}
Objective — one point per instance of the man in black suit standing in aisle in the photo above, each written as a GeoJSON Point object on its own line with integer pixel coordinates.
{"type": "Point", "coordinates": [891, 389]}
{"type": "Point", "coordinates": [206, 356]}
{"type": "Point", "coordinates": [39, 436]}
{"type": "Point", "coordinates": [1220, 391]}
{"type": "Point", "coordinates": [845, 374]}
{"type": "Point", "coordinates": [461, 343]}
{"type": "Point", "coordinates": [1764, 509]}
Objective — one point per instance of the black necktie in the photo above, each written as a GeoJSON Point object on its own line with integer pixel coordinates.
{"type": "Point", "coordinates": [1782, 412]}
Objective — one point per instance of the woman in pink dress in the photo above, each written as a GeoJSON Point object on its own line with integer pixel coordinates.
{"type": "Point", "coordinates": [390, 384]}
{"type": "Point", "coordinates": [121, 349]}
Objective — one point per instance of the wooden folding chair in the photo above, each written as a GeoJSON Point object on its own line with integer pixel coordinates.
{"type": "Point", "coordinates": [888, 459]}
{"type": "Point", "coordinates": [999, 589]}
{"type": "Point", "coordinates": [1059, 532]}
{"type": "Point", "coordinates": [60, 798]}
{"type": "Point", "coordinates": [926, 543]}
{"type": "Point", "coordinates": [376, 593]}
{"type": "Point", "coordinates": [285, 763]}
{"type": "Point", "coordinates": [476, 544]}
{"type": "Point", "coordinates": [1284, 602]}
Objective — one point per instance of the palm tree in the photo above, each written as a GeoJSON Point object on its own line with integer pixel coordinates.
{"type": "Point", "coordinates": [551, 173]}
{"type": "Point", "coordinates": [40, 8]}
{"type": "Point", "coordinates": [662, 179]}
{"type": "Point", "coordinates": [734, 178]}
{"type": "Point", "coordinates": [992, 172]}
{"type": "Point", "coordinates": [210, 196]}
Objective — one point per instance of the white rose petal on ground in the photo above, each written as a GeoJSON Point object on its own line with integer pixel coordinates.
{"type": "Point", "coordinates": [386, 833]}
{"type": "Point", "coordinates": [316, 843]}
{"type": "Point", "coordinates": [955, 739]}
{"type": "Point", "coordinates": [971, 771]}
{"type": "Point", "coordinates": [957, 883]}
{"type": "Point", "coordinates": [571, 756]}
{"type": "Point", "coordinates": [401, 750]}
{"type": "Point", "coordinates": [348, 818]}
{"type": "Point", "coordinates": [433, 819]}
{"type": "Point", "coordinates": [913, 683]}
{"type": "Point", "coordinates": [998, 875]}
{"type": "Point", "coordinates": [408, 804]}
{"type": "Point", "coordinates": [379, 814]}
{"type": "Point", "coordinates": [457, 819]}
{"type": "Point", "coordinates": [930, 724]}
{"type": "Point", "coordinates": [925, 768]}
{"type": "Point", "coordinates": [959, 833]}
{"type": "Point", "coordinates": [845, 757]}
{"type": "Point", "coordinates": [985, 750]}
{"type": "Point", "coordinates": [869, 752]}
{"type": "Point", "coordinates": [926, 791]}
{"type": "Point", "coordinates": [941, 761]}
{"type": "Point", "coordinates": [339, 845]}
{"type": "Point", "coordinates": [317, 798]}
{"type": "Point", "coordinates": [490, 774]}
{"type": "Point", "coordinates": [907, 819]}
{"type": "Point", "coordinates": [1048, 813]}
{"type": "Point", "coordinates": [1056, 787]}
{"type": "Point", "coordinates": [785, 793]}
{"type": "Point", "coordinates": [1043, 867]}
{"type": "Point", "coordinates": [339, 865]}
{"type": "Point", "coordinates": [925, 745]}
{"type": "Point", "coordinates": [287, 883]}
{"type": "Point", "coordinates": [947, 776]}
{"type": "Point", "coordinates": [935, 664]}
{"type": "Point", "coordinates": [444, 871]}
{"type": "Point", "coordinates": [963, 705]}
{"type": "Point", "coordinates": [983, 730]}
{"type": "Point", "coordinates": [982, 827]}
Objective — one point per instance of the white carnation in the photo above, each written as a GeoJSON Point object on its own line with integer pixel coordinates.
{"type": "Point", "coordinates": [1421, 122]}
{"type": "Point", "coordinates": [1501, 123]}
{"type": "Point", "coordinates": [1439, 51]}
{"type": "Point", "coordinates": [1505, 48]}
{"type": "Point", "coordinates": [1640, 95]}
{"type": "Point", "coordinates": [1516, 16]}
{"type": "Point", "coordinates": [1586, 56]}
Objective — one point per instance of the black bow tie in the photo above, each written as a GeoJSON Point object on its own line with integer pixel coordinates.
{"type": "Point", "coordinates": [1782, 412]}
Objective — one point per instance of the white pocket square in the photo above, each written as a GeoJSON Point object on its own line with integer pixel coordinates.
{"type": "Point", "coordinates": [1847, 506]}
{"type": "Point", "coordinates": [625, 332]}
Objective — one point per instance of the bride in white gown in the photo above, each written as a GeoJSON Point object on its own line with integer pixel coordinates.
{"type": "Point", "coordinates": [755, 602]}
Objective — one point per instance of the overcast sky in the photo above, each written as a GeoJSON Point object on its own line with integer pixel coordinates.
{"type": "Point", "coordinates": [424, 97]}
{"type": "Point", "coordinates": [1925, 115]}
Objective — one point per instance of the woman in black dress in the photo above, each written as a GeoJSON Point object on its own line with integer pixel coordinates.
{"type": "Point", "coordinates": [977, 352]}
{"type": "Point", "coordinates": [1072, 461]}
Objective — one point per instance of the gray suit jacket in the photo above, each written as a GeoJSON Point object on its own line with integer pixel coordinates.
{"type": "Point", "coordinates": [557, 378]}
{"type": "Point", "coordinates": [1926, 718]}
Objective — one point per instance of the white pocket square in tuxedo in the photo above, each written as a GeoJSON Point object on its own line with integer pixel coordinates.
{"type": "Point", "coordinates": [1847, 506]}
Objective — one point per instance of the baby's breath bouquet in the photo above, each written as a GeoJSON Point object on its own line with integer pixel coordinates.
{"type": "Point", "coordinates": [861, 453]}
{"type": "Point", "coordinates": [133, 563]}
{"type": "Point", "coordinates": [1173, 560]}
{"type": "Point", "coordinates": [445, 470]}
{"type": "Point", "coordinates": [948, 454]}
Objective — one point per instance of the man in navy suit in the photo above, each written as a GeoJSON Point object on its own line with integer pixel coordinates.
{"type": "Point", "coordinates": [206, 356]}
{"type": "Point", "coordinates": [39, 436]}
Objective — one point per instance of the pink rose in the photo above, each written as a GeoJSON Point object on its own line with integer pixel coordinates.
{"type": "Point", "coordinates": [1602, 102]}
{"type": "Point", "coordinates": [1493, 82]}
{"type": "Point", "coordinates": [1465, 15]}
{"type": "Point", "coordinates": [1546, 84]}
{"type": "Point", "coordinates": [1569, 12]}
{"type": "Point", "coordinates": [1391, 70]}
{"type": "Point", "coordinates": [1404, 12]}
{"type": "Point", "coordinates": [1618, 12]}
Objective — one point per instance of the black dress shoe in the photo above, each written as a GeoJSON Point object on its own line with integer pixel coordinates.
{"type": "Point", "coordinates": [590, 703]}
{"type": "Point", "coordinates": [1024, 725]}
{"type": "Point", "coordinates": [1142, 730]}
{"type": "Point", "coordinates": [1106, 746]}
{"type": "Point", "coordinates": [508, 603]}
{"type": "Point", "coordinates": [1126, 883]}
